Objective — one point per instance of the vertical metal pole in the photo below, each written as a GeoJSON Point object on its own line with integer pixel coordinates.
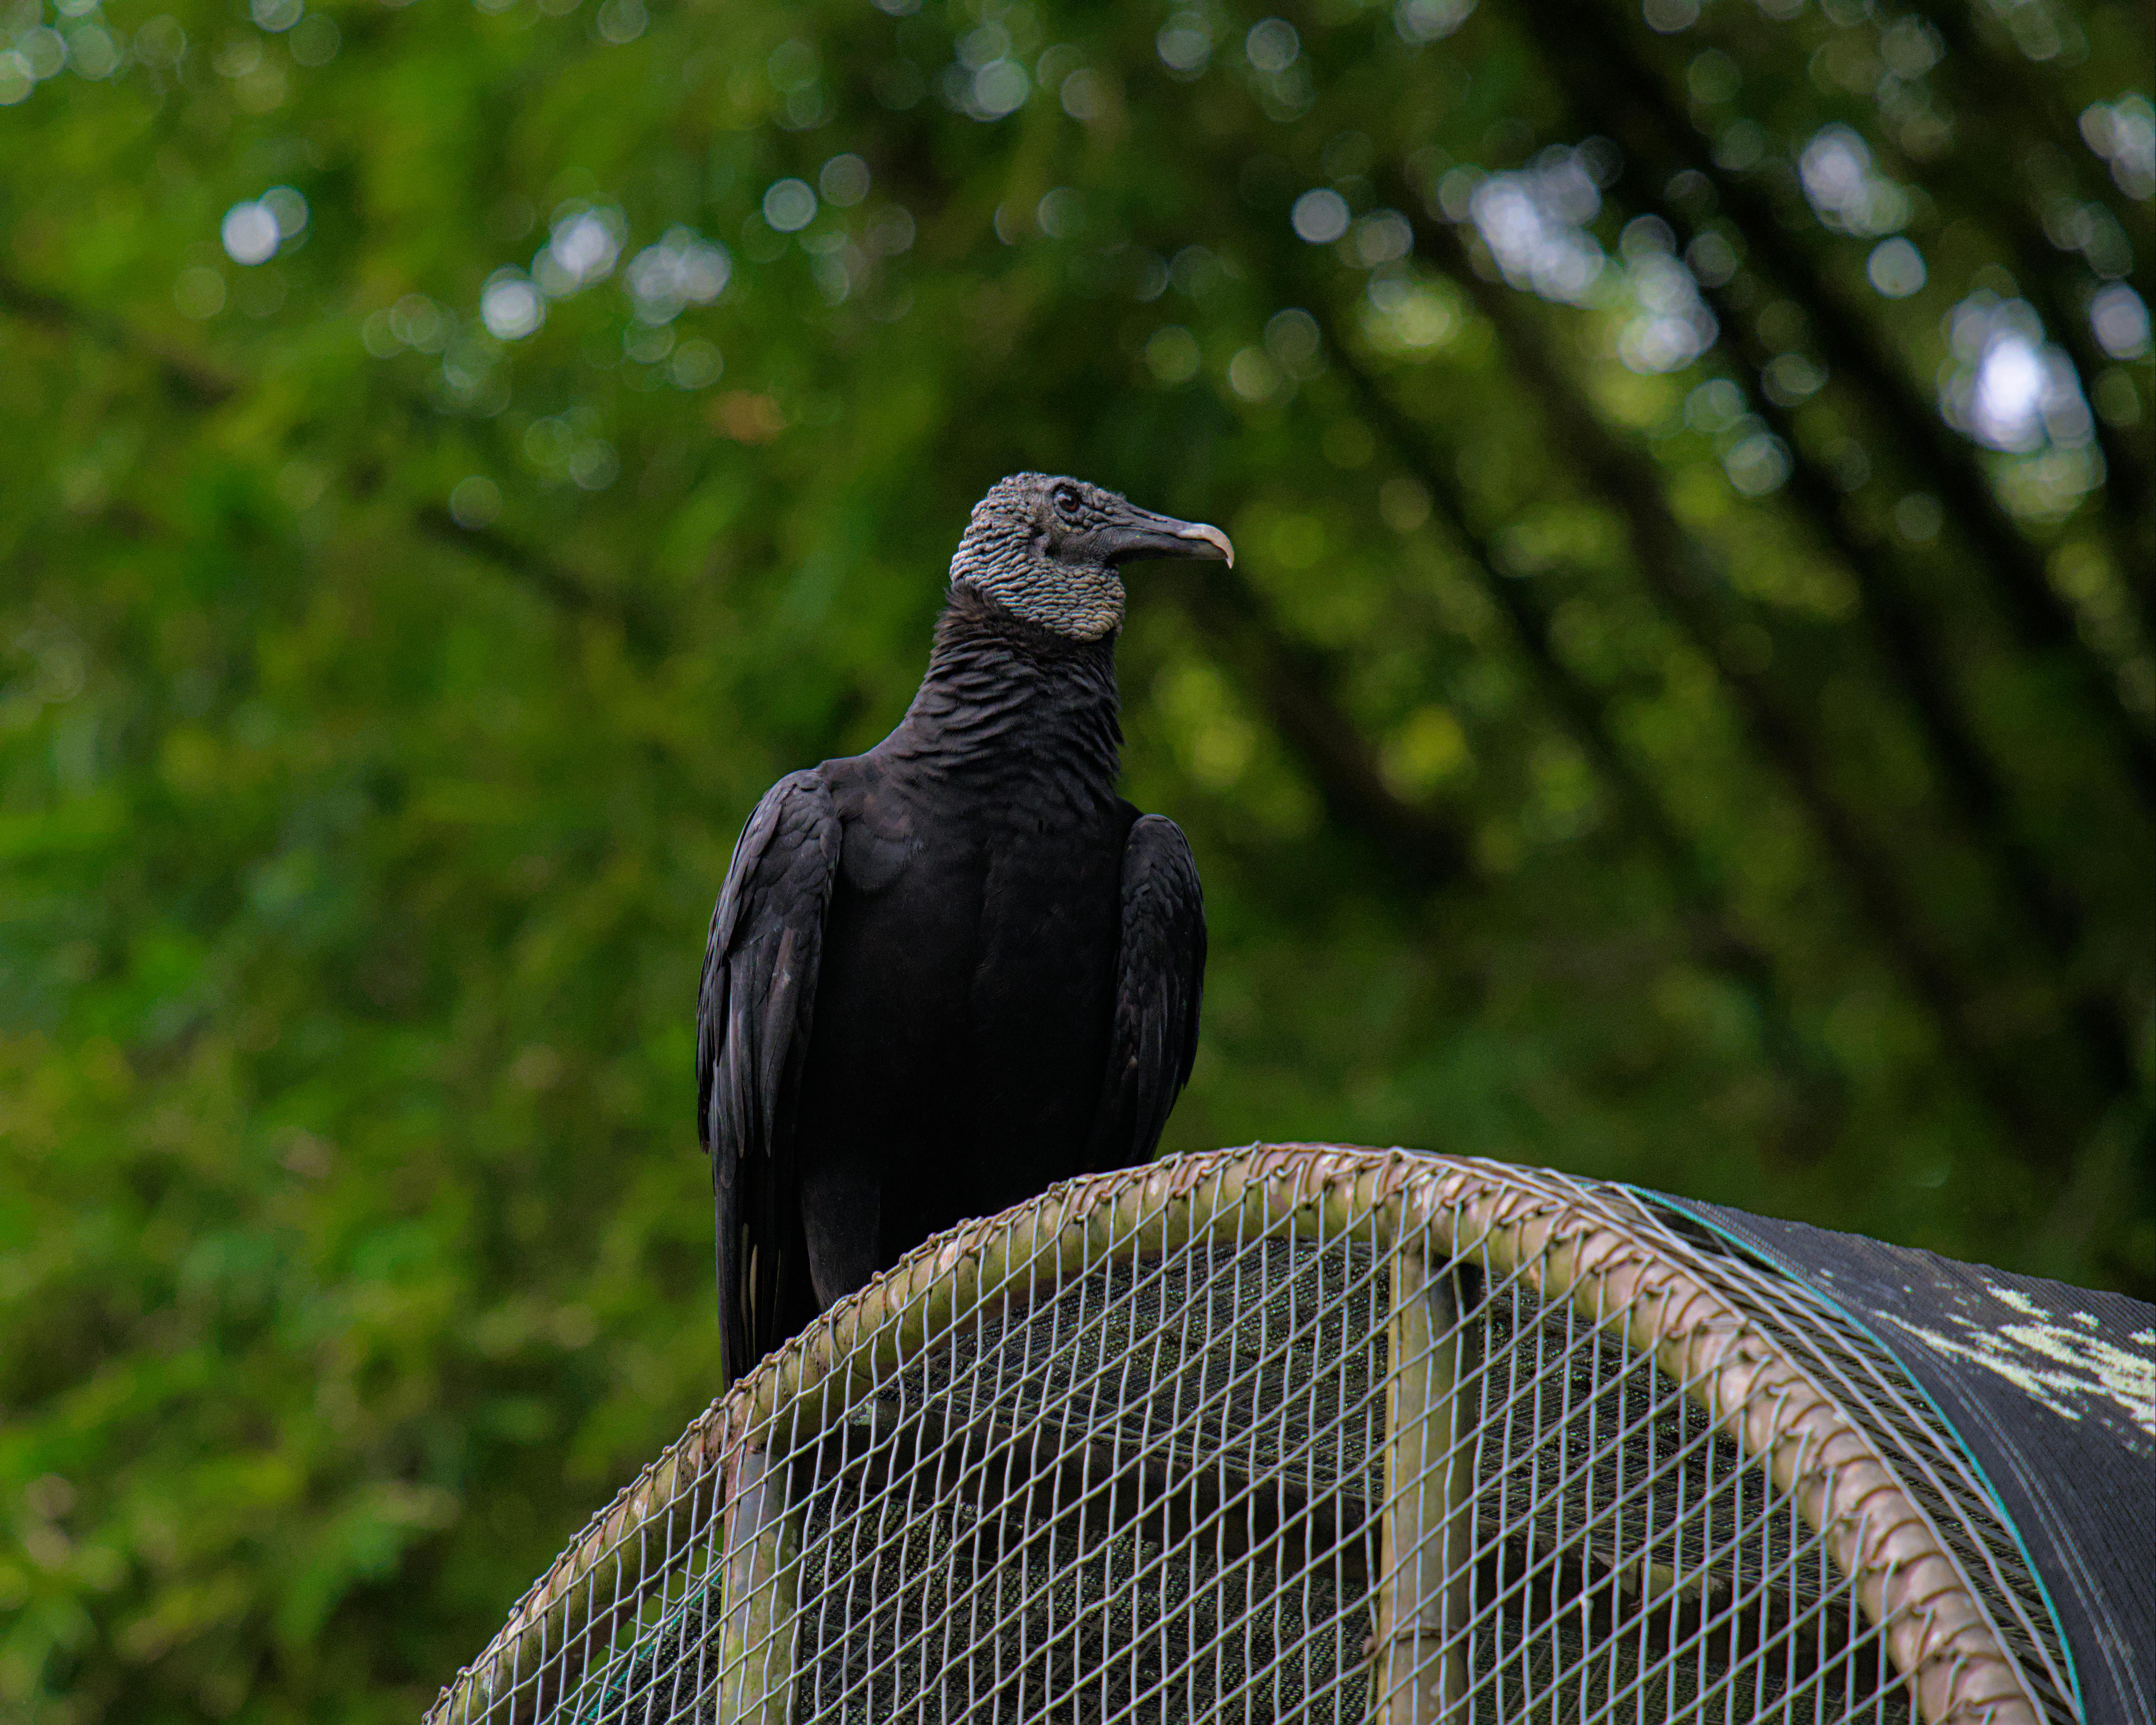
{"type": "Point", "coordinates": [1419, 1672]}
{"type": "Point", "coordinates": [762, 1577]}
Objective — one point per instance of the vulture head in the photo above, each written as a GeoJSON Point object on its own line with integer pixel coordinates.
{"type": "Point", "coordinates": [1049, 549]}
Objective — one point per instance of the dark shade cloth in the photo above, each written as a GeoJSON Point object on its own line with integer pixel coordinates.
{"type": "Point", "coordinates": [2051, 1390]}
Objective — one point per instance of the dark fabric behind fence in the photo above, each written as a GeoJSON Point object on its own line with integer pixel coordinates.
{"type": "Point", "coordinates": [2052, 1391]}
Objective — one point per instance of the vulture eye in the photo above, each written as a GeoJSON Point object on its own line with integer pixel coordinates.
{"type": "Point", "coordinates": [1066, 503]}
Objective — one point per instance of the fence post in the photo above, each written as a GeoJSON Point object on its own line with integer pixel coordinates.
{"type": "Point", "coordinates": [1419, 1653]}
{"type": "Point", "coordinates": [762, 1578]}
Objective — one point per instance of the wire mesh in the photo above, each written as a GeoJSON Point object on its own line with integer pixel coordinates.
{"type": "Point", "coordinates": [1871, 1388]}
{"type": "Point", "coordinates": [1300, 1436]}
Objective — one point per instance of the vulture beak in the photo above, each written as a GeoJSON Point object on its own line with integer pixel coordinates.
{"type": "Point", "coordinates": [1141, 533]}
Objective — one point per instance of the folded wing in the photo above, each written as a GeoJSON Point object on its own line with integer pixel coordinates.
{"type": "Point", "coordinates": [1160, 974]}
{"type": "Point", "coordinates": [753, 1016]}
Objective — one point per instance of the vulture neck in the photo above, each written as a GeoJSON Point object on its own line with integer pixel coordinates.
{"type": "Point", "coordinates": [1004, 698]}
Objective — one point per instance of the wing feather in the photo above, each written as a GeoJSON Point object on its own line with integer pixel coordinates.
{"type": "Point", "coordinates": [754, 1011]}
{"type": "Point", "coordinates": [1160, 978]}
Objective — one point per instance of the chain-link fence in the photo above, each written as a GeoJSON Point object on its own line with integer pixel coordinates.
{"type": "Point", "coordinates": [1300, 1434]}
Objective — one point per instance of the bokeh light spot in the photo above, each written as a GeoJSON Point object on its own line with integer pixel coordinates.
{"type": "Point", "coordinates": [890, 231]}
{"type": "Point", "coordinates": [1000, 88]}
{"type": "Point", "coordinates": [1061, 213]}
{"type": "Point", "coordinates": [249, 232]}
{"type": "Point", "coordinates": [843, 180]}
{"type": "Point", "coordinates": [1185, 44]}
{"type": "Point", "coordinates": [2119, 317]}
{"type": "Point", "coordinates": [696, 365]}
{"type": "Point", "coordinates": [1085, 97]}
{"type": "Point", "coordinates": [1896, 267]}
{"type": "Point", "coordinates": [1847, 191]}
{"type": "Point", "coordinates": [620, 22]}
{"type": "Point", "coordinates": [789, 206]}
{"type": "Point", "coordinates": [290, 209]}
{"type": "Point", "coordinates": [316, 40]}
{"type": "Point", "coordinates": [1917, 517]}
{"type": "Point", "coordinates": [2008, 388]}
{"type": "Point", "coordinates": [420, 324]}
{"type": "Point", "coordinates": [1293, 340]}
{"type": "Point", "coordinates": [683, 268]}
{"type": "Point", "coordinates": [583, 248]}
{"type": "Point", "coordinates": [161, 42]}
{"type": "Point", "coordinates": [92, 52]}
{"type": "Point", "coordinates": [1194, 271]}
{"type": "Point", "coordinates": [1272, 45]}
{"type": "Point", "coordinates": [1756, 463]}
{"type": "Point", "coordinates": [1421, 21]}
{"type": "Point", "coordinates": [1171, 352]}
{"type": "Point", "coordinates": [1534, 223]}
{"type": "Point", "coordinates": [509, 306]}
{"type": "Point", "coordinates": [1319, 217]}
{"type": "Point", "coordinates": [1253, 376]}
{"type": "Point", "coordinates": [1429, 749]}
{"type": "Point", "coordinates": [475, 502]}
{"type": "Point", "coordinates": [1383, 237]}
{"type": "Point", "coordinates": [1713, 405]}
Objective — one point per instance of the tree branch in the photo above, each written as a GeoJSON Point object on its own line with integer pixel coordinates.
{"type": "Point", "coordinates": [641, 629]}
{"type": "Point", "coordinates": [1293, 682]}
{"type": "Point", "coordinates": [1906, 646]}
{"type": "Point", "coordinates": [1990, 89]}
{"type": "Point", "coordinates": [193, 381]}
{"type": "Point", "coordinates": [1648, 125]}
{"type": "Point", "coordinates": [1674, 569]}
{"type": "Point", "coordinates": [1715, 940]}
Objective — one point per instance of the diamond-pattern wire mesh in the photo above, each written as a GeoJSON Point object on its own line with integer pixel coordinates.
{"type": "Point", "coordinates": [1339, 1475]}
{"type": "Point", "coordinates": [1875, 1392]}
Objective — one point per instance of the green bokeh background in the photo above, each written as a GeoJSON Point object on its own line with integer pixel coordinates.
{"type": "Point", "coordinates": [1731, 777]}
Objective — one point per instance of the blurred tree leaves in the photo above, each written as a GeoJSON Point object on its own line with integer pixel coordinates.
{"type": "Point", "coordinates": [1683, 712]}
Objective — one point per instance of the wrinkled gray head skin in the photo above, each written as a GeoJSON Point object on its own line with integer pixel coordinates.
{"type": "Point", "coordinates": [1051, 548]}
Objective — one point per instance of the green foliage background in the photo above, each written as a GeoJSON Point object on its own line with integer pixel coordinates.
{"type": "Point", "coordinates": [1732, 779]}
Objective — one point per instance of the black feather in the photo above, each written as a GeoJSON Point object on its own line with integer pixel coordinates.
{"type": "Point", "coordinates": [754, 1018]}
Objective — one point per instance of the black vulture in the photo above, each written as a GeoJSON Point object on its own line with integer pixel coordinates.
{"type": "Point", "coordinates": [945, 973]}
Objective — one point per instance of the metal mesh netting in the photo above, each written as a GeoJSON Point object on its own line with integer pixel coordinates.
{"type": "Point", "coordinates": [1287, 1457]}
{"type": "Point", "coordinates": [1875, 1394]}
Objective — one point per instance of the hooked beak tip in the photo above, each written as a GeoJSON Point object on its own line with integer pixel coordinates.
{"type": "Point", "coordinates": [1211, 536]}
